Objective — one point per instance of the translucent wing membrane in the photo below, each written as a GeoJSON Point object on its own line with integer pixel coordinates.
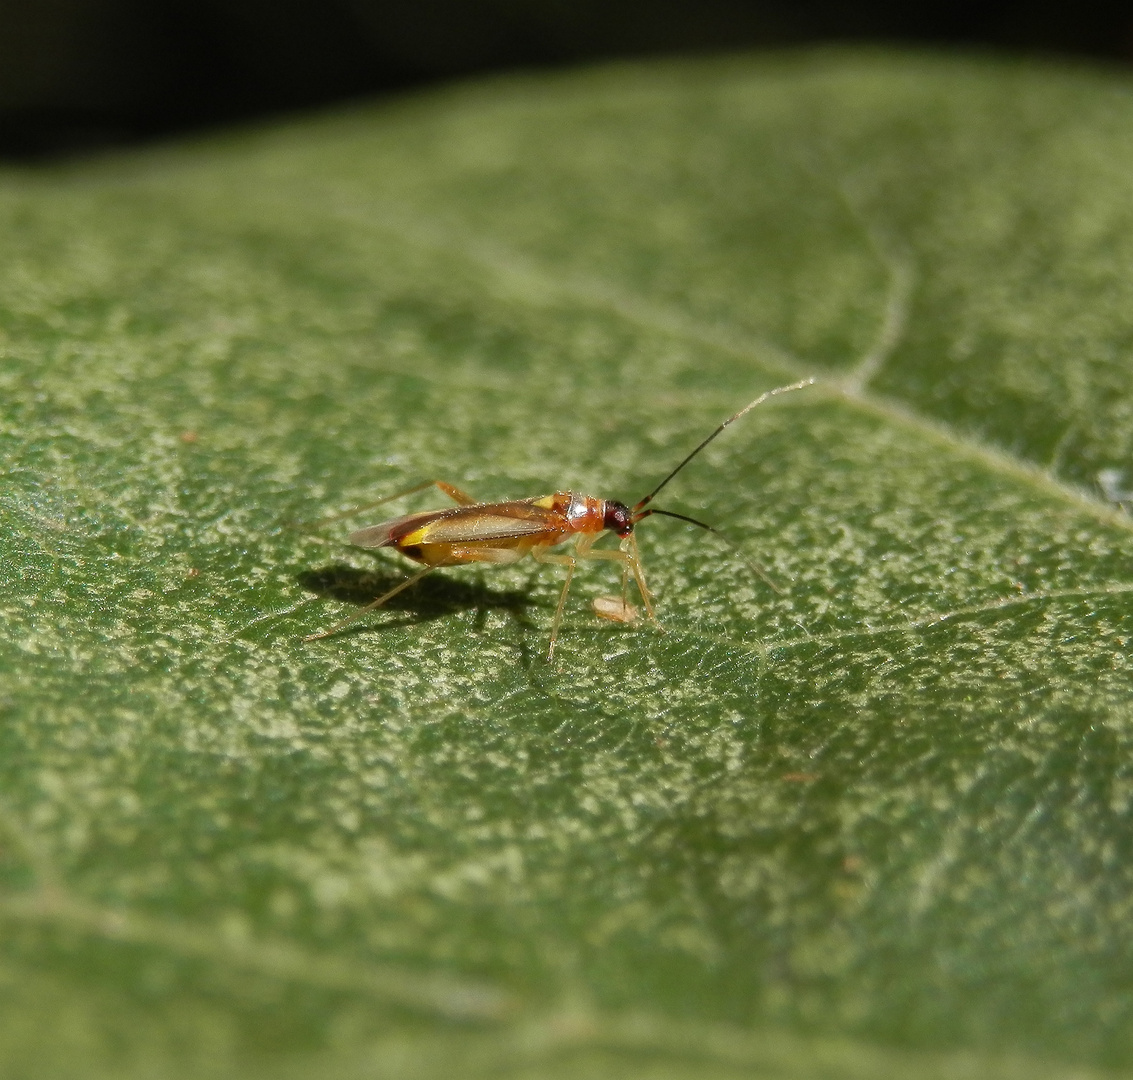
{"type": "Point", "coordinates": [388, 532]}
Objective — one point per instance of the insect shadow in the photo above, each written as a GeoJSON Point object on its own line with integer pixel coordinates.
{"type": "Point", "coordinates": [431, 598]}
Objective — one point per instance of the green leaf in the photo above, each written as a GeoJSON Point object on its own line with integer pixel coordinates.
{"type": "Point", "coordinates": [875, 825]}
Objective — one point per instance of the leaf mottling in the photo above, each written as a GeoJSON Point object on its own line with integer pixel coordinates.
{"type": "Point", "coordinates": [874, 825]}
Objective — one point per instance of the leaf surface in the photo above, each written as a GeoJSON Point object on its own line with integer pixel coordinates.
{"type": "Point", "coordinates": [875, 824]}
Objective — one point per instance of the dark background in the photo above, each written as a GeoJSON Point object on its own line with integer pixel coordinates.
{"type": "Point", "coordinates": [82, 75]}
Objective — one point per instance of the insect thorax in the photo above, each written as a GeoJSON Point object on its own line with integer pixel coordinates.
{"type": "Point", "coordinates": [585, 513]}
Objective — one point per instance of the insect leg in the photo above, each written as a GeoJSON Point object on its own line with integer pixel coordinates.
{"type": "Point", "coordinates": [540, 555]}
{"type": "Point", "coordinates": [454, 493]}
{"type": "Point", "coordinates": [371, 606]}
{"type": "Point", "coordinates": [630, 559]}
{"type": "Point", "coordinates": [634, 560]}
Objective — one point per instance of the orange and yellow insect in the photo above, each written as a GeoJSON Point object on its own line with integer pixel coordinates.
{"type": "Point", "coordinates": [504, 532]}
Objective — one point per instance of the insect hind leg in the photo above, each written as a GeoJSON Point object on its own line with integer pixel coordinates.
{"type": "Point", "coordinates": [454, 493]}
{"type": "Point", "coordinates": [412, 580]}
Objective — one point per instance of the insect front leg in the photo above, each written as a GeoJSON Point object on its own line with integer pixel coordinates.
{"type": "Point", "coordinates": [633, 557]}
{"type": "Point", "coordinates": [540, 554]}
{"type": "Point", "coordinates": [630, 559]}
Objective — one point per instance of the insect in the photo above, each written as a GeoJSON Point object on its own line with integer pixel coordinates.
{"type": "Point", "coordinates": [504, 532]}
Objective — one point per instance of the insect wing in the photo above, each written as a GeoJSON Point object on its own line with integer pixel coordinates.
{"type": "Point", "coordinates": [390, 532]}
{"type": "Point", "coordinates": [462, 525]}
{"type": "Point", "coordinates": [485, 522]}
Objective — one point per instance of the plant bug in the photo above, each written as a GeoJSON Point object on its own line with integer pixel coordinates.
{"type": "Point", "coordinates": [505, 532]}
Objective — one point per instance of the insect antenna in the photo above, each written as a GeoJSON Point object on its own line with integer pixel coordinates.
{"type": "Point", "coordinates": [753, 566]}
{"type": "Point", "coordinates": [731, 420]}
